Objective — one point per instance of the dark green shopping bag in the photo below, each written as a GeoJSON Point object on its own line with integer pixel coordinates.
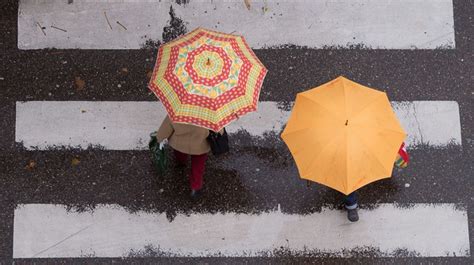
{"type": "Point", "coordinates": [159, 157]}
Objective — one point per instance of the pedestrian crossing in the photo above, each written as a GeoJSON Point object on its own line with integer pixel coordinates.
{"type": "Point", "coordinates": [49, 229]}
{"type": "Point", "coordinates": [376, 24]}
{"type": "Point", "coordinates": [47, 125]}
{"type": "Point", "coordinates": [111, 231]}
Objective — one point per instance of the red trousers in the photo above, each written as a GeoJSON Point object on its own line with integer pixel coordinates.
{"type": "Point", "coordinates": [198, 163]}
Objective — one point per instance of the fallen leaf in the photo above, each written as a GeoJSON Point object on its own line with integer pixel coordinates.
{"type": "Point", "coordinates": [149, 74]}
{"type": "Point", "coordinates": [31, 165]}
{"type": "Point", "coordinates": [247, 4]}
{"type": "Point", "coordinates": [75, 161]}
{"type": "Point", "coordinates": [80, 84]}
{"type": "Point", "coordinates": [124, 70]}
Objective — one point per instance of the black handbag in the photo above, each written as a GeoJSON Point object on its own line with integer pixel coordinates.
{"type": "Point", "coordinates": [219, 142]}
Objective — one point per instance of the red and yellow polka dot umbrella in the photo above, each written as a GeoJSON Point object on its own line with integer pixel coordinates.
{"type": "Point", "coordinates": [207, 78]}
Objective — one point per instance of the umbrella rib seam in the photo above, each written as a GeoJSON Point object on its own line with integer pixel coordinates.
{"type": "Point", "coordinates": [376, 158]}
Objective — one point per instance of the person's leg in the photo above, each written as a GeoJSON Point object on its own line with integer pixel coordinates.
{"type": "Point", "coordinates": [198, 163]}
{"type": "Point", "coordinates": [350, 203]}
{"type": "Point", "coordinates": [181, 158]}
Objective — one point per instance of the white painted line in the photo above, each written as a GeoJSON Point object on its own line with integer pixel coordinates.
{"type": "Point", "coordinates": [126, 125]}
{"type": "Point", "coordinates": [434, 123]}
{"type": "Point", "coordinates": [110, 124]}
{"type": "Point", "coordinates": [384, 24]}
{"type": "Point", "coordinates": [427, 230]}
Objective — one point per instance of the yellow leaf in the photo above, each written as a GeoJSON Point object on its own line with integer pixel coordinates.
{"type": "Point", "coordinates": [149, 74]}
{"type": "Point", "coordinates": [247, 4]}
{"type": "Point", "coordinates": [75, 161]}
{"type": "Point", "coordinates": [80, 84]}
{"type": "Point", "coordinates": [30, 165]}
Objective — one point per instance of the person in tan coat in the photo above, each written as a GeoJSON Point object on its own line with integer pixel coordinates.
{"type": "Point", "coordinates": [187, 140]}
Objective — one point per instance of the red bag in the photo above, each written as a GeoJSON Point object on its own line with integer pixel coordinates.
{"type": "Point", "coordinates": [402, 158]}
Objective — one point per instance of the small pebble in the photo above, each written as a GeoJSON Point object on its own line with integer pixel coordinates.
{"type": "Point", "coordinates": [49, 94]}
{"type": "Point", "coordinates": [257, 169]}
{"type": "Point", "coordinates": [161, 191]}
{"type": "Point", "coordinates": [57, 85]}
{"type": "Point", "coordinates": [407, 185]}
{"type": "Point", "coordinates": [119, 85]}
{"type": "Point", "coordinates": [2, 78]}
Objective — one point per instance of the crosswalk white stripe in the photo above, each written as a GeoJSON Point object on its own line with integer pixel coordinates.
{"type": "Point", "coordinates": [426, 230]}
{"type": "Point", "coordinates": [125, 125]}
{"type": "Point", "coordinates": [106, 24]}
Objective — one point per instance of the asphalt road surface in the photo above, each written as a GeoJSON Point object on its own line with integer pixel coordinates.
{"type": "Point", "coordinates": [259, 175]}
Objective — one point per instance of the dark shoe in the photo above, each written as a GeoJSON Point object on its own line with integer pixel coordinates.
{"type": "Point", "coordinates": [195, 194]}
{"type": "Point", "coordinates": [352, 215]}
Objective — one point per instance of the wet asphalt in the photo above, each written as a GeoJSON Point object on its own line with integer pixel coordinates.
{"type": "Point", "coordinates": [259, 173]}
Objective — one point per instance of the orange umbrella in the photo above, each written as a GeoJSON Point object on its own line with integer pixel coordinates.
{"type": "Point", "coordinates": [343, 135]}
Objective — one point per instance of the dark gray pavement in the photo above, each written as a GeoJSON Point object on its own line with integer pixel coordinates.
{"type": "Point", "coordinates": [232, 184]}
